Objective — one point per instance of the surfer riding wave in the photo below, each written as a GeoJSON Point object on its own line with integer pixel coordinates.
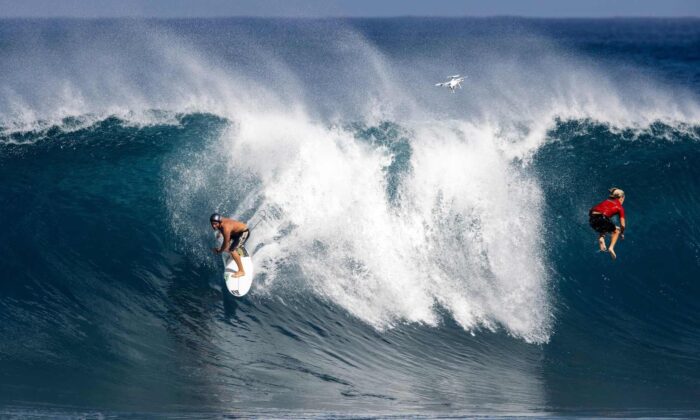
{"type": "Point", "coordinates": [235, 235]}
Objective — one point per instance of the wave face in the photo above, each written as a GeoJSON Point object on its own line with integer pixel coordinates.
{"type": "Point", "coordinates": [416, 251]}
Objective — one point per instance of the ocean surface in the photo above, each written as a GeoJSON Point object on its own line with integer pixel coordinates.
{"type": "Point", "coordinates": [417, 252]}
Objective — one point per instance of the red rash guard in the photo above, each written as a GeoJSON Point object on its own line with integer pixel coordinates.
{"type": "Point", "coordinates": [609, 208]}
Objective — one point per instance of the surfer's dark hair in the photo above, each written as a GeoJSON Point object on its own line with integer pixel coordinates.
{"type": "Point", "coordinates": [216, 217]}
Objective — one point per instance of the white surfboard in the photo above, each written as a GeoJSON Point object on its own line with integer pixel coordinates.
{"type": "Point", "coordinates": [238, 286]}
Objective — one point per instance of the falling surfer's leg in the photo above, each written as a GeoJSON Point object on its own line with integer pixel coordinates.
{"type": "Point", "coordinates": [613, 241]}
{"type": "Point", "coordinates": [601, 242]}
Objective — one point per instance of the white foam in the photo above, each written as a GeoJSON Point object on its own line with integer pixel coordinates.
{"type": "Point", "coordinates": [463, 233]}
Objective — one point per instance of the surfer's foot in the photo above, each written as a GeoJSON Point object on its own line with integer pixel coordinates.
{"type": "Point", "coordinates": [601, 244]}
{"type": "Point", "coordinates": [239, 274]}
{"type": "Point", "coordinates": [612, 254]}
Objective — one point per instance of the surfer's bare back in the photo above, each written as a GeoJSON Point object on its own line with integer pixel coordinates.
{"type": "Point", "coordinates": [235, 234]}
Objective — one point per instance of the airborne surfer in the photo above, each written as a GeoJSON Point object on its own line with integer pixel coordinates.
{"type": "Point", "coordinates": [599, 219]}
{"type": "Point", "coordinates": [234, 232]}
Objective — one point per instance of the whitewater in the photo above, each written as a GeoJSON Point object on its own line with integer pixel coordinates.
{"type": "Point", "coordinates": [416, 251]}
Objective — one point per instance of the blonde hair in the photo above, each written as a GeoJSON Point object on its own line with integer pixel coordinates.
{"type": "Point", "coordinates": [616, 193]}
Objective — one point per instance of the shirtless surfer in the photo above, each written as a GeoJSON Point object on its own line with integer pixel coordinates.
{"type": "Point", "coordinates": [599, 219]}
{"type": "Point", "coordinates": [234, 232]}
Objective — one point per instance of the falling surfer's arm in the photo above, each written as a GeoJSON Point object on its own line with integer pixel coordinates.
{"type": "Point", "coordinates": [622, 228]}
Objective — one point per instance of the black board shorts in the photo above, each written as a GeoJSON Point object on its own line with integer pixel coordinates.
{"type": "Point", "coordinates": [601, 224]}
{"type": "Point", "coordinates": [238, 239]}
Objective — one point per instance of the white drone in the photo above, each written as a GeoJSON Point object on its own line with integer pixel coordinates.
{"type": "Point", "coordinates": [453, 82]}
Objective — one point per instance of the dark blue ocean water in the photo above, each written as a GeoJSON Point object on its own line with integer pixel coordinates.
{"type": "Point", "coordinates": [417, 252]}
